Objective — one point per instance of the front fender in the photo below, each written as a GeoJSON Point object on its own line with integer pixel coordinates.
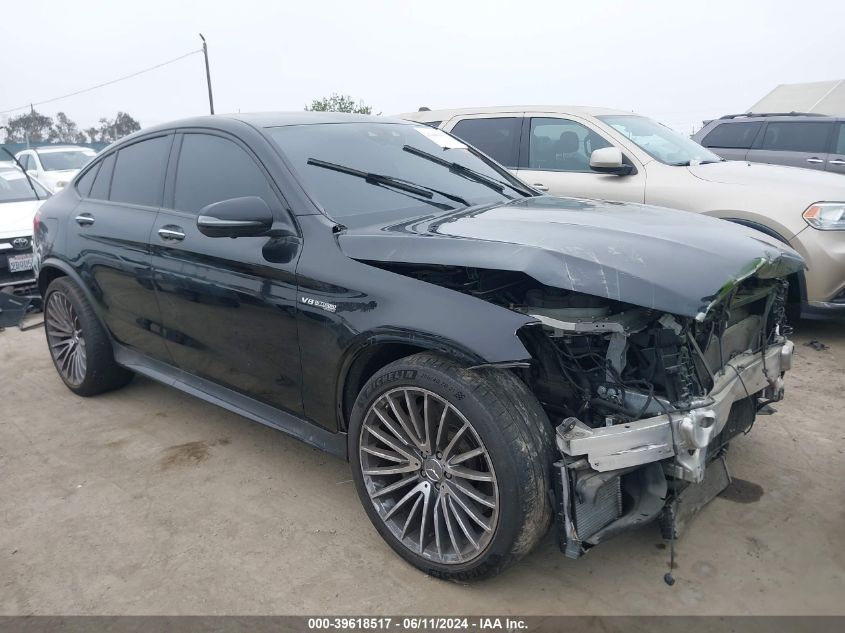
{"type": "Point", "coordinates": [373, 349]}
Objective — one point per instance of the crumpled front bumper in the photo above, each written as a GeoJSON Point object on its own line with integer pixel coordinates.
{"type": "Point", "coordinates": [635, 461]}
{"type": "Point", "coordinates": [684, 435]}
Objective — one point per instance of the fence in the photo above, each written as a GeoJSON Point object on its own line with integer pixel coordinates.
{"type": "Point", "coordinates": [14, 148]}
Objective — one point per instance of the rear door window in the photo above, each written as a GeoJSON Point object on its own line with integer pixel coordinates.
{"type": "Point", "coordinates": [139, 172]}
{"type": "Point", "coordinates": [839, 148]}
{"type": "Point", "coordinates": [797, 136]}
{"type": "Point", "coordinates": [733, 135]}
{"type": "Point", "coordinates": [497, 137]}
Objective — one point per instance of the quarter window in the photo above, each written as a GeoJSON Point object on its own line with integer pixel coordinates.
{"type": "Point", "coordinates": [793, 136]}
{"type": "Point", "coordinates": [212, 169]}
{"type": "Point", "coordinates": [496, 137]}
{"type": "Point", "coordinates": [83, 186]}
{"type": "Point", "coordinates": [102, 181]}
{"type": "Point", "coordinates": [139, 172]}
{"type": "Point", "coordinates": [733, 135]}
{"type": "Point", "coordinates": [561, 145]}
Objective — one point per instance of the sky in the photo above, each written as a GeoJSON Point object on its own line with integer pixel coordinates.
{"type": "Point", "coordinates": [679, 62]}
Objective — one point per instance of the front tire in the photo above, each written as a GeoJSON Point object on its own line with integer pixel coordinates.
{"type": "Point", "coordinates": [452, 465]}
{"type": "Point", "coordinates": [79, 346]}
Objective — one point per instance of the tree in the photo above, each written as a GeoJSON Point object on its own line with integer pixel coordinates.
{"type": "Point", "coordinates": [32, 126]}
{"type": "Point", "coordinates": [92, 133]}
{"type": "Point", "coordinates": [120, 126]}
{"type": "Point", "coordinates": [339, 103]}
{"type": "Point", "coordinates": [65, 130]}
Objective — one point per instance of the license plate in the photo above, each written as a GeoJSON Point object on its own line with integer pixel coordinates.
{"type": "Point", "coordinates": [20, 263]}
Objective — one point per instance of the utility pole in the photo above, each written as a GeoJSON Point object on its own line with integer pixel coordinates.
{"type": "Point", "coordinates": [207, 74]}
{"type": "Point", "coordinates": [26, 133]}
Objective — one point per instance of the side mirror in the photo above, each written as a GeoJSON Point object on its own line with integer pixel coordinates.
{"type": "Point", "coordinates": [608, 160]}
{"type": "Point", "coordinates": [237, 217]}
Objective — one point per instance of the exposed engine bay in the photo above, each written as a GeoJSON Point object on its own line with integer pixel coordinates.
{"type": "Point", "coordinates": [644, 402]}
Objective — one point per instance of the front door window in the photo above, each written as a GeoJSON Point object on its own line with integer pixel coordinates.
{"type": "Point", "coordinates": [562, 145]}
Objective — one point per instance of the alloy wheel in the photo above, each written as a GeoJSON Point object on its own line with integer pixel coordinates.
{"type": "Point", "coordinates": [429, 475]}
{"type": "Point", "coordinates": [64, 335]}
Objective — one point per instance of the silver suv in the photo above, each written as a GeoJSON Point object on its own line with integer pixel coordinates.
{"type": "Point", "coordinates": [814, 141]}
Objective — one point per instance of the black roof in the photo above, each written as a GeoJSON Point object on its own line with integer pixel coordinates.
{"type": "Point", "coordinates": [301, 117]}
{"type": "Point", "coordinates": [274, 119]}
{"type": "Point", "coordinates": [260, 120]}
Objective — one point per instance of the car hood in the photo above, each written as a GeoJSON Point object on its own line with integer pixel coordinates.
{"type": "Point", "coordinates": [16, 217]}
{"type": "Point", "coordinates": [736, 172]}
{"type": "Point", "coordinates": [53, 178]}
{"type": "Point", "coordinates": [669, 260]}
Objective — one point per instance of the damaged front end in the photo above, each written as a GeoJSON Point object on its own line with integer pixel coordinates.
{"type": "Point", "coordinates": [648, 401]}
{"type": "Point", "coordinates": [655, 337]}
{"type": "Point", "coordinates": [644, 402]}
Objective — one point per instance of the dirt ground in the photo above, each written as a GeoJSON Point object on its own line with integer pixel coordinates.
{"type": "Point", "coordinates": [147, 501]}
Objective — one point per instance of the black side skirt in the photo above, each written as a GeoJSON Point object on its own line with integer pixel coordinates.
{"type": "Point", "coordinates": [301, 429]}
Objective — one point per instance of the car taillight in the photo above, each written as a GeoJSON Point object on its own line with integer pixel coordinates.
{"type": "Point", "coordinates": [36, 221]}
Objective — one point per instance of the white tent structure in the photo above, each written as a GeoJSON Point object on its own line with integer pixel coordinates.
{"type": "Point", "coordinates": [820, 97]}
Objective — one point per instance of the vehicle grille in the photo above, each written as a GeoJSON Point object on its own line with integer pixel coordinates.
{"type": "Point", "coordinates": [607, 507]}
{"type": "Point", "coordinates": [9, 249]}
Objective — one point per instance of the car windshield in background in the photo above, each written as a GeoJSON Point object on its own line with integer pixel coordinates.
{"type": "Point", "coordinates": [14, 187]}
{"type": "Point", "coordinates": [659, 141]}
{"type": "Point", "coordinates": [367, 172]}
{"type": "Point", "coordinates": [72, 159]}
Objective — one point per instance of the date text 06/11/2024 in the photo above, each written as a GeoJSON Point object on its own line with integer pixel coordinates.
{"type": "Point", "coordinates": [429, 623]}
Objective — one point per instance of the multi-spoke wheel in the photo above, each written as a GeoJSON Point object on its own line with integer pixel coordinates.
{"type": "Point", "coordinates": [64, 335]}
{"type": "Point", "coordinates": [429, 475]}
{"type": "Point", "coordinates": [79, 346]}
{"type": "Point", "coordinates": [452, 464]}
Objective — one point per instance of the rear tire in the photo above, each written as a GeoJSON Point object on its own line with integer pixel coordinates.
{"type": "Point", "coordinates": [471, 504]}
{"type": "Point", "coordinates": [78, 343]}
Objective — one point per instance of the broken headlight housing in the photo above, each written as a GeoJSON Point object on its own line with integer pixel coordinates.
{"type": "Point", "coordinates": [826, 216]}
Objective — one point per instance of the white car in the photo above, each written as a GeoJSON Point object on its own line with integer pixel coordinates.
{"type": "Point", "coordinates": [607, 154]}
{"type": "Point", "coordinates": [55, 166]}
{"type": "Point", "coordinates": [20, 198]}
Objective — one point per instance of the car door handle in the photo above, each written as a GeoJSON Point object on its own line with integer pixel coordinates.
{"type": "Point", "coordinates": [540, 186]}
{"type": "Point", "coordinates": [815, 160]}
{"type": "Point", "coordinates": [836, 161]}
{"type": "Point", "coordinates": [171, 233]}
{"type": "Point", "coordinates": [84, 219]}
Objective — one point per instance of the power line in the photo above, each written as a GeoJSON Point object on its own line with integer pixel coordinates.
{"type": "Point", "coordinates": [102, 85]}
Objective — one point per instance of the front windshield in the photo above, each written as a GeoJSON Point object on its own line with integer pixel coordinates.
{"type": "Point", "coordinates": [659, 141]}
{"type": "Point", "coordinates": [15, 188]}
{"type": "Point", "coordinates": [363, 173]}
{"type": "Point", "coordinates": [71, 159]}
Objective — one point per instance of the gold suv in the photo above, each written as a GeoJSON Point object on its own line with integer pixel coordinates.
{"type": "Point", "coordinates": [607, 154]}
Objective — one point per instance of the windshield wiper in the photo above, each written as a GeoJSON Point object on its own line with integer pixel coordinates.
{"type": "Point", "coordinates": [391, 181]}
{"type": "Point", "coordinates": [687, 163]}
{"type": "Point", "coordinates": [465, 171]}
{"type": "Point", "coordinates": [26, 175]}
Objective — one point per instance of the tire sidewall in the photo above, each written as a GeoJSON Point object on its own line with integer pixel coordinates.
{"type": "Point", "coordinates": [64, 287]}
{"type": "Point", "coordinates": [502, 456]}
{"type": "Point", "coordinates": [101, 372]}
